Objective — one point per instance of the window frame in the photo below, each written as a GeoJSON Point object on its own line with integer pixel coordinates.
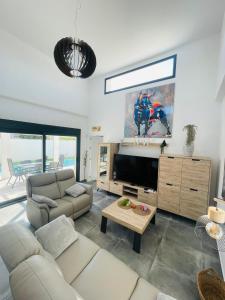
{"type": "Point", "coordinates": [174, 57]}
{"type": "Point", "coordinates": [12, 126]}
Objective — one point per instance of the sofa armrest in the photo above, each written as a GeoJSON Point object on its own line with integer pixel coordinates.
{"type": "Point", "coordinates": [37, 213]}
{"type": "Point", "coordinates": [89, 190]}
{"type": "Point", "coordinates": [38, 205]}
{"type": "Point", "coordinates": [88, 187]}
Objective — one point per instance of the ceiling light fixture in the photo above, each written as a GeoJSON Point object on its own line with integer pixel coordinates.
{"type": "Point", "coordinates": [74, 57]}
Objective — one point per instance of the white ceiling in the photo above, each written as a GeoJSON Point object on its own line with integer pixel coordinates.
{"type": "Point", "coordinates": [121, 32]}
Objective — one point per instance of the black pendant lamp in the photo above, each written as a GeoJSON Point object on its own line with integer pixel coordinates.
{"type": "Point", "coordinates": [74, 58]}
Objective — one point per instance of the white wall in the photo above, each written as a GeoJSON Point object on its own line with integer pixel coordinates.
{"type": "Point", "coordinates": [221, 174]}
{"type": "Point", "coordinates": [222, 151]}
{"type": "Point", "coordinates": [26, 112]}
{"type": "Point", "coordinates": [221, 97]}
{"type": "Point", "coordinates": [28, 74]}
{"type": "Point", "coordinates": [33, 89]}
{"type": "Point", "coordinates": [194, 103]}
{"type": "Point", "coordinates": [220, 91]}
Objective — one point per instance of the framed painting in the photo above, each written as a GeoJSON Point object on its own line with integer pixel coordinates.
{"type": "Point", "coordinates": [149, 112]}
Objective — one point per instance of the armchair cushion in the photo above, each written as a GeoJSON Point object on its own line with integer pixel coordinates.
{"type": "Point", "coordinates": [57, 235]}
{"type": "Point", "coordinates": [44, 199]}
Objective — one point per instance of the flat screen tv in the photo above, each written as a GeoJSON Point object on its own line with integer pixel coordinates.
{"type": "Point", "coordinates": [136, 170]}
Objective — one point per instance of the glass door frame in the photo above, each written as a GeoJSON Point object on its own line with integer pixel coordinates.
{"type": "Point", "coordinates": [11, 126]}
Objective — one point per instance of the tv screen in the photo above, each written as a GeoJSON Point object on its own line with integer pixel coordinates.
{"type": "Point", "coordinates": [136, 170]}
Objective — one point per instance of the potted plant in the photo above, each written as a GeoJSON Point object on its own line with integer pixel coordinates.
{"type": "Point", "coordinates": [191, 130]}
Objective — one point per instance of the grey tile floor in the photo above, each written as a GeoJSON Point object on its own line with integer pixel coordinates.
{"type": "Point", "coordinates": [171, 255]}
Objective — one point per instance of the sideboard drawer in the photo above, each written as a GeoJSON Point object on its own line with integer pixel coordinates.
{"type": "Point", "coordinates": [196, 163]}
{"type": "Point", "coordinates": [147, 197]}
{"type": "Point", "coordinates": [170, 169]}
{"type": "Point", "coordinates": [116, 188]}
{"type": "Point", "coordinates": [196, 174]}
{"type": "Point", "coordinates": [191, 212]}
{"type": "Point", "coordinates": [169, 197]}
{"type": "Point", "coordinates": [104, 185]}
{"type": "Point", "coordinates": [194, 198]}
{"type": "Point", "coordinates": [193, 203]}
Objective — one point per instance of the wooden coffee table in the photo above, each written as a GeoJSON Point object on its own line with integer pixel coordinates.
{"type": "Point", "coordinates": [129, 219]}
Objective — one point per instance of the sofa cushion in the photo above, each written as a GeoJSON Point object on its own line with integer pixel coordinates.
{"type": "Point", "coordinates": [106, 278]}
{"type": "Point", "coordinates": [79, 202]}
{"type": "Point", "coordinates": [5, 291]}
{"type": "Point", "coordinates": [42, 179]}
{"type": "Point", "coordinates": [49, 190]}
{"type": "Point", "coordinates": [36, 279]}
{"type": "Point", "coordinates": [65, 179]}
{"type": "Point", "coordinates": [57, 235]}
{"type": "Point", "coordinates": [144, 291]}
{"type": "Point", "coordinates": [17, 243]}
{"type": "Point", "coordinates": [64, 208]}
{"type": "Point", "coordinates": [162, 296]}
{"type": "Point", "coordinates": [64, 174]}
{"type": "Point", "coordinates": [51, 260]}
{"type": "Point", "coordinates": [43, 184]}
{"type": "Point", "coordinates": [76, 257]}
{"type": "Point", "coordinates": [44, 199]}
{"type": "Point", "coordinates": [75, 190]}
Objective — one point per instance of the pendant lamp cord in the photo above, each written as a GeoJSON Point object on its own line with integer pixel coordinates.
{"type": "Point", "coordinates": [78, 7]}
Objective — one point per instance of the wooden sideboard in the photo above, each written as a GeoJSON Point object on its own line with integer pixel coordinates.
{"type": "Point", "coordinates": [184, 185]}
{"type": "Point", "coordinates": [134, 191]}
{"type": "Point", "coordinates": [183, 182]}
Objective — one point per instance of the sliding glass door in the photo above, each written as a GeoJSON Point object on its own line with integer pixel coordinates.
{"type": "Point", "coordinates": [60, 152]}
{"type": "Point", "coordinates": [20, 156]}
{"type": "Point", "coordinates": [28, 148]}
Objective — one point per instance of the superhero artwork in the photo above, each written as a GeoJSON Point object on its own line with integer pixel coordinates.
{"type": "Point", "coordinates": [149, 112]}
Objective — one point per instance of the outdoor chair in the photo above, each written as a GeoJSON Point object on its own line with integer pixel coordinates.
{"type": "Point", "coordinates": [15, 171]}
{"type": "Point", "coordinates": [61, 161]}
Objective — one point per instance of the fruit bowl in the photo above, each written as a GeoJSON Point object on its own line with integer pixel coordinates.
{"type": "Point", "coordinates": [125, 203]}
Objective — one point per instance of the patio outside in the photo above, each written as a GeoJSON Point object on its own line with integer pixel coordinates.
{"type": "Point", "coordinates": [21, 156]}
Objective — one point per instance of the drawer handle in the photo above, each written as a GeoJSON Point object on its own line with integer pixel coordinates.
{"type": "Point", "coordinates": [102, 182]}
{"type": "Point", "coordinates": [146, 192]}
{"type": "Point", "coordinates": [115, 183]}
{"type": "Point", "coordinates": [195, 159]}
{"type": "Point", "coordinates": [195, 190]}
{"type": "Point", "coordinates": [171, 157]}
{"type": "Point", "coordinates": [170, 184]}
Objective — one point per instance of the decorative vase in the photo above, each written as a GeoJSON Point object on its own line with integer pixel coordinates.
{"type": "Point", "coordinates": [189, 149]}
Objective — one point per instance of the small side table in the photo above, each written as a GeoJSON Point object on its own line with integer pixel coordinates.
{"type": "Point", "coordinates": [206, 240]}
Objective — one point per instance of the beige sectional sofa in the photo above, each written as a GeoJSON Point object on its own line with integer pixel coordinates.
{"type": "Point", "coordinates": [82, 271]}
{"type": "Point", "coordinates": [53, 185]}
